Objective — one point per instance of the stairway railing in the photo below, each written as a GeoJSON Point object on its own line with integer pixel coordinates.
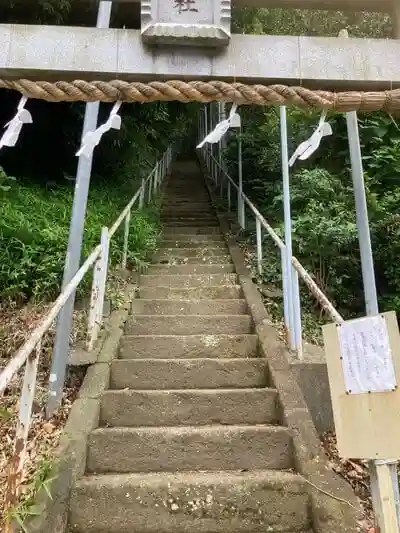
{"type": "Point", "coordinates": [221, 177]}
{"type": "Point", "coordinates": [29, 353]}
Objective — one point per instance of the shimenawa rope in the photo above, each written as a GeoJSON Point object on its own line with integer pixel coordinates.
{"type": "Point", "coordinates": [200, 91]}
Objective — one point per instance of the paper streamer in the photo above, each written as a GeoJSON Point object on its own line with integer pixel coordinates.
{"type": "Point", "coordinates": [220, 129]}
{"type": "Point", "coordinates": [308, 147]}
{"type": "Point", "coordinates": [14, 127]}
{"type": "Point", "coordinates": [92, 138]}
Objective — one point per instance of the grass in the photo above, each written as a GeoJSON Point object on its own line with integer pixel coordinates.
{"type": "Point", "coordinates": [34, 226]}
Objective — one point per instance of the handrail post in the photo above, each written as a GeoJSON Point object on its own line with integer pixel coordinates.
{"type": "Point", "coordinates": [16, 463]}
{"type": "Point", "coordinates": [95, 318]}
{"type": "Point", "coordinates": [229, 195]}
{"type": "Point", "coordinates": [157, 176]}
{"type": "Point", "coordinates": [142, 194]}
{"type": "Point", "coordinates": [241, 208]}
{"type": "Point", "coordinates": [259, 245]}
{"type": "Point", "coordinates": [75, 239]}
{"type": "Point", "coordinates": [220, 117]}
{"type": "Point", "coordinates": [151, 177]}
{"type": "Point", "coordinates": [369, 285]}
{"type": "Point", "coordinates": [298, 335]}
{"type": "Point", "coordinates": [126, 240]}
{"type": "Point", "coordinates": [285, 291]}
{"type": "Point", "coordinates": [287, 285]}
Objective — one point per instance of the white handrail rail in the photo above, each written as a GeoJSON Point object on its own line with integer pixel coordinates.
{"type": "Point", "coordinates": [124, 213]}
{"type": "Point", "coordinates": [304, 275]}
{"type": "Point", "coordinates": [20, 357]}
{"type": "Point", "coordinates": [28, 353]}
{"type": "Point", "coordinates": [278, 241]}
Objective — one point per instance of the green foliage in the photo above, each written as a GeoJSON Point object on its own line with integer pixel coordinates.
{"type": "Point", "coordinates": [324, 222]}
{"type": "Point", "coordinates": [43, 11]}
{"type": "Point", "coordinates": [5, 182]}
{"type": "Point", "coordinates": [27, 507]}
{"type": "Point", "coordinates": [34, 225]}
{"type": "Point", "coordinates": [323, 211]}
{"type": "Point", "coordinates": [36, 209]}
{"type": "Point", "coordinates": [311, 22]}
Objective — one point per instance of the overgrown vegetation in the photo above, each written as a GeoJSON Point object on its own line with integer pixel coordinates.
{"type": "Point", "coordinates": [36, 204]}
{"type": "Point", "coordinates": [37, 181]}
{"type": "Point", "coordinates": [324, 222]}
{"type": "Point", "coordinates": [36, 211]}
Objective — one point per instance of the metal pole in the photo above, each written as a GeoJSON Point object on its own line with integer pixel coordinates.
{"type": "Point", "coordinates": [241, 213]}
{"type": "Point", "coordinates": [220, 152]}
{"type": "Point", "coordinates": [364, 237]}
{"type": "Point", "coordinates": [259, 246]}
{"type": "Point", "coordinates": [142, 194]}
{"type": "Point", "coordinates": [298, 334]}
{"type": "Point", "coordinates": [368, 275]}
{"type": "Point", "coordinates": [73, 257]}
{"type": "Point", "coordinates": [285, 291]}
{"type": "Point", "coordinates": [287, 278]}
{"type": "Point", "coordinates": [126, 240]}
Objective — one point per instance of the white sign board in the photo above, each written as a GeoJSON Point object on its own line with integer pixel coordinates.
{"type": "Point", "coordinates": [366, 356]}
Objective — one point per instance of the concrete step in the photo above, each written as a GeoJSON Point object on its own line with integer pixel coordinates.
{"type": "Point", "coordinates": [208, 214]}
{"type": "Point", "coordinates": [188, 307]}
{"type": "Point", "coordinates": [198, 222]}
{"type": "Point", "coordinates": [221, 245]}
{"type": "Point", "coordinates": [192, 252]}
{"type": "Point", "coordinates": [181, 198]}
{"type": "Point", "coordinates": [183, 223]}
{"type": "Point", "coordinates": [185, 230]}
{"type": "Point", "coordinates": [170, 374]}
{"type": "Point", "coordinates": [135, 408]}
{"type": "Point", "coordinates": [191, 269]}
{"type": "Point", "coordinates": [183, 212]}
{"type": "Point", "coordinates": [188, 324]}
{"type": "Point", "coordinates": [204, 502]}
{"type": "Point", "coordinates": [188, 207]}
{"type": "Point", "coordinates": [178, 238]}
{"type": "Point", "coordinates": [188, 346]}
{"type": "Point", "coordinates": [178, 449]}
{"type": "Point", "coordinates": [181, 281]}
{"type": "Point", "coordinates": [221, 292]}
{"type": "Point", "coordinates": [181, 260]}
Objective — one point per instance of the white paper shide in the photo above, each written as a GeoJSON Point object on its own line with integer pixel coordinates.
{"type": "Point", "coordinates": [366, 356]}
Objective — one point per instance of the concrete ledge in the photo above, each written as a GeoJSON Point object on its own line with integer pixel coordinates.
{"type": "Point", "coordinates": [79, 356]}
{"type": "Point", "coordinates": [335, 5]}
{"type": "Point", "coordinates": [329, 513]}
{"type": "Point", "coordinates": [312, 376]}
{"type": "Point", "coordinates": [65, 53]}
{"type": "Point", "coordinates": [69, 464]}
{"type": "Point", "coordinates": [70, 456]}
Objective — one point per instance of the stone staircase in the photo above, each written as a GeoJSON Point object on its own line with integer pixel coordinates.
{"type": "Point", "coordinates": [190, 435]}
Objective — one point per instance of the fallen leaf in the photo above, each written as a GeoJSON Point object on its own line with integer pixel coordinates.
{"type": "Point", "coordinates": [48, 427]}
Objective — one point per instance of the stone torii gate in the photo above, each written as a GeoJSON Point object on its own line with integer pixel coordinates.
{"type": "Point", "coordinates": [190, 42]}
{"type": "Point", "coordinates": [185, 51]}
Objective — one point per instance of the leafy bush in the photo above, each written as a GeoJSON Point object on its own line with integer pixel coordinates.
{"type": "Point", "coordinates": [324, 222]}
{"type": "Point", "coordinates": [34, 225]}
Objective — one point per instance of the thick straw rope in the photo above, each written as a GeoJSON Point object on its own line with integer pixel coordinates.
{"type": "Point", "coordinates": [199, 91]}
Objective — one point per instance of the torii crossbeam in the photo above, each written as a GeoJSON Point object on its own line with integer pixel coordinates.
{"type": "Point", "coordinates": [191, 40]}
{"type": "Point", "coordinates": [65, 53]}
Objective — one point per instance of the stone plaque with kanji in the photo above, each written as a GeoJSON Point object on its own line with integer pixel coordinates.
{"type": "Point", "coordinates": [186, 22]}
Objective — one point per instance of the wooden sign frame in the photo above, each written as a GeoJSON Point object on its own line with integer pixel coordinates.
{"type": "Point", "coordinates": [367, 425]}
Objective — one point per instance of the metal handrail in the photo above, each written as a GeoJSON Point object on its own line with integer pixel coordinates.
{"type": "Point", "coordinates": [29, 353]}
{"type": "Point", "coordinates": [19, 358]}
{"type": "Point", "coordinates": [317, 293]}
